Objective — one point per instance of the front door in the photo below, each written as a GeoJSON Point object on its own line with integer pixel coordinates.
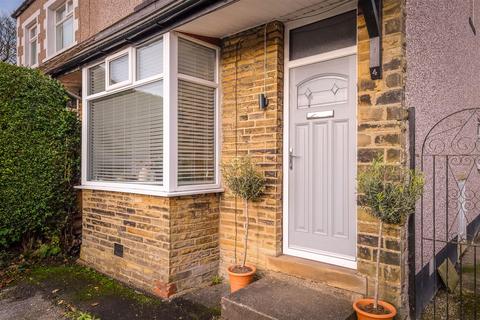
{"type": "Point", "coordinates": [322, 161]}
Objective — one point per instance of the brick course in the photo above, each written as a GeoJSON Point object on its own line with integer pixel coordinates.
{"type": "Point", "coordinates": [248, 130]}
{"type": "Point", "coordinates": [170, 244]}
{"type": "Point", "coordinates": [382, 130]}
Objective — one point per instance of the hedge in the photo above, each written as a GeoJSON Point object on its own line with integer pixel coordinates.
{"type": "Point", "coordinates": [39, 156]}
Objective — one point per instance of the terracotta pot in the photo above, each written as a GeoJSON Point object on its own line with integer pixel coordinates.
{"type": "Point", "coordinates": [240, 280]}
{"type": "Point", "coordinates": [362, 315]}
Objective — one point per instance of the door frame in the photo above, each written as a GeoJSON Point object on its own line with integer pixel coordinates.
{"type": "Point", "coordinates": [330, 258]}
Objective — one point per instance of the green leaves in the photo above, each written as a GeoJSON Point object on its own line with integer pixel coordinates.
{"type": "Point", "coordinates": [39, 155]}
{"type": "Point", "coordinates": [243, 179]}
{"type": "Point", "coordinates": [389, 192]}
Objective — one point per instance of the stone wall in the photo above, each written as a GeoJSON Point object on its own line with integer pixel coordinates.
{"type": "Point", "coordinates": [169, 244]}
{"type": "Point", "coordinates": [382, 130]}
{"type": "Point", "coordinates": [248, 130]}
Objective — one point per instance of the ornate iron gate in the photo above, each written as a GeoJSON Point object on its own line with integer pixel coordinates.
{"type": "Point", "coordinates": [448, 220]}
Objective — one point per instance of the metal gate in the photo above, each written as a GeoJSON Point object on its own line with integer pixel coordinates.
{"type": "Point", "coordinates": [448, 219]}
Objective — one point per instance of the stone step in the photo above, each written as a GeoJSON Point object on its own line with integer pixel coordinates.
{"type": "Point", "coordinates": [330, 275]}
{"type": "Point", "coordinates": [274, 299]}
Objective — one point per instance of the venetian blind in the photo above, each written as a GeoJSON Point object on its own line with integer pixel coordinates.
{"type": "Point", "coordinates": [196, 134]}
{"type": "Point", "coordinates": [126, 136]}
{"type": "Point", "coordinates": [196, 60]}
{"type": "Point", "coordinates": [96, 79]}
{"type": "Point", "coordinates": [119, 69]}
{"type": "Point", "coordinates": [150, 60]}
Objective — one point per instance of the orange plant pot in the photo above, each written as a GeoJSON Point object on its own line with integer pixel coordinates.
{"type": "Point", "coordinates": [362, 315]}
{"type": "Point", "coordinates": [240, 280]}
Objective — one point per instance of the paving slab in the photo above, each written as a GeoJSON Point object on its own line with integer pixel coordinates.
{"type": "Point", "coordinates": [274, 299]}
{"type": "Point", "coordinates": [209, 296]}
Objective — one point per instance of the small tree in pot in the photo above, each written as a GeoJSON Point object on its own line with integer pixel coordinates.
{"type": "Point", "coordinates": [247, 183]}
{"type": "Point", "coordinates": [388, 193]}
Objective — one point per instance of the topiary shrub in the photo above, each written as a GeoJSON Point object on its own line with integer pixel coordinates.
{"type": "Point", "coordinates": [39, 156]}
{"type": "Point", "coordinates": [388, 193]}
{"type": "Point", "coordinates": [246, 182]}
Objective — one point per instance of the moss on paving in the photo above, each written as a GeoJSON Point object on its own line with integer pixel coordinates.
{"type": "Point", "coordinates": [93, 285]}
{"type": "Point", "coordinates": [87, 290]}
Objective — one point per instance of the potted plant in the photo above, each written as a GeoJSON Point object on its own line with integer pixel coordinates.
{"type": "Point", "coordinates": [388, 193]}
{"type": "Point", "coordinates": [245, 182]}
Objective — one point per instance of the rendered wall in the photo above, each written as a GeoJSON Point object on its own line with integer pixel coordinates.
{"type": "Point", "coordinates": [443, 72]}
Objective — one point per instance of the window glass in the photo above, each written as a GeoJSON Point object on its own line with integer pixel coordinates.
{"type": "Point", "coordinates": [196, 60]}
{"type": "Point", "coordinates": [323, 36]}
{"type": "Point", "coordinates": [196, 134]}
{"type": "Point", "coordinates": [96, 79]}
{"type": "Point", "coordinates": [33, 53]}
{"type": "Point", "coordinates": [64, 34]}
{"type": "Point", "coordinates": [126, 136]}
{"type": "Point", "coordinates": [31, 46]}
{"type": "Point", "coordinates": [118, 70]}
{"type": "Point", "coordinates": [150, 60]}
{"type": "Point", "coordinates": [60, 13]}
{"type": "Point", "coordinates": [33, 32]}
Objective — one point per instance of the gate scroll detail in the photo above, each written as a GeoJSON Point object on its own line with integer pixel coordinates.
{"type": "Point", "coordinates": [448, 219]}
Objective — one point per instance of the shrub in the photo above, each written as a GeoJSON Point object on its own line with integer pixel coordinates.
{"type": "Point", "coordinates": [388, 193]}
{"type": "Point", "coordinates": [245, 181]}
{"type": "Point", "coordinates": [39, 156]}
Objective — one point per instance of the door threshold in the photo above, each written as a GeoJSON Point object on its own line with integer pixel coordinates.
{"type": "Point", "coordinates": [336, 260]}
{"type": "Point", "coordinates": [320, 272]}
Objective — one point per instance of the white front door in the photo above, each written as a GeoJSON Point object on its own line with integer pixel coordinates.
{"type": "Point", "coordinates": [322, 161]}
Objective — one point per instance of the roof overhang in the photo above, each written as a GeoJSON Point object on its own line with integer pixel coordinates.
{"type": "Point", "coordinates": [245, 14]}
{"type": "Point", "coordinates": [157, 17]}
{"type": "Point", "coordinates": [23, 6]}
{"type": "Point", "coordinates": [207, 18]}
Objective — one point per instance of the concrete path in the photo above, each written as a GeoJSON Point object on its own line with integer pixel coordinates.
{"type": "Point", "coordinates": [273, 299]}
{"type": "Point", "coordinates": [30, 306]}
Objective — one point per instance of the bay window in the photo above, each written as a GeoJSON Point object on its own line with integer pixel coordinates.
{"type": "Point", "coordinates": [150, 123]}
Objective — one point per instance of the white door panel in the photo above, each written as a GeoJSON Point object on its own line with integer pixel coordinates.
{"type": "Point", "coordinates": [322, 162]}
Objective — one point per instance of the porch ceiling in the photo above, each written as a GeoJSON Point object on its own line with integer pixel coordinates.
{"type": "Point", "coordinates": [244, 14]}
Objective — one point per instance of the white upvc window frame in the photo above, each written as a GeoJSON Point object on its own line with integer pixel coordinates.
{"type": "Point", "coordinates": [127, 52]}
{"type": "Point", "coordinates": [68, 15]}
{"type": "Point", "coordinates": [170, 78]}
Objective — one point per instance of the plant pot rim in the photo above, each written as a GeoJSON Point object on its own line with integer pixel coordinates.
{"type": "Point", "coordinates": [247, 274]}
{"type": "Point", "coordinates": [386, 305]}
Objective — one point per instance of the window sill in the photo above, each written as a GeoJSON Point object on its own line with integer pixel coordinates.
{"type": "Point", "coordinates": [59, 52]}
{"type": "Point", "coordinates": [150, 192]}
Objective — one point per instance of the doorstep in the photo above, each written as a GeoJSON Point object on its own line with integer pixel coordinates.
{"type": "Point", "coordinates": [279, 299]}
{"type": "Point", "coordinates": [330, 275]}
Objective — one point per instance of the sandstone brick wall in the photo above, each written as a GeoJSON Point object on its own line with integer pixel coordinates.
{"type": "Point", "coordinates": [382, 130]}
{"type": "Point", "coordinates": [248, 130]}
{"type": "Point", "coordinates": [169, 244]}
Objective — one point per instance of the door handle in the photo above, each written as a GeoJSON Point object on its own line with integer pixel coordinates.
{"type": "Point", "coordinates": [290, 158]}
